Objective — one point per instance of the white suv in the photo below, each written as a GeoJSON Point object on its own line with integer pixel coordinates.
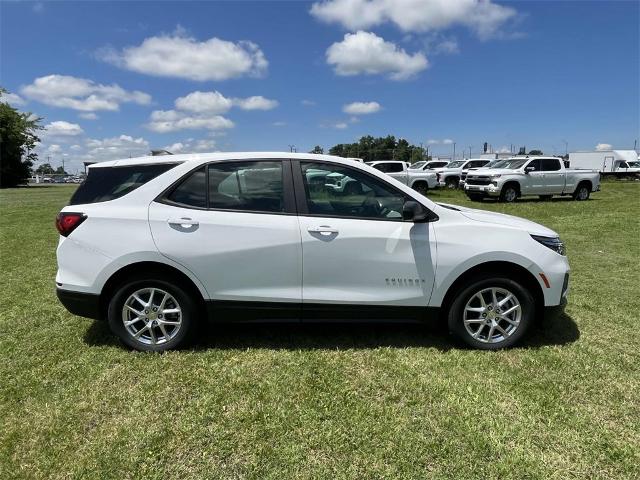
{"type": "Point", "coordinates": [157, 245]}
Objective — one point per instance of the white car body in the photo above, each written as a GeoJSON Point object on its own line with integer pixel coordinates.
{"type": "Point", "coordinates": [430, 165]}
{"type": "Point", "coordinates": [300, 265]}
{"type": "Point", "coordinates": [453, 172]}
{"type": "Point", "coordinates": [399, 170]}
{"type": "Point", "coordinates": [541, 180]}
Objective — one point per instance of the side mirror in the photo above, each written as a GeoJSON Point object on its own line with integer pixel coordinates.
{"type": "Point", "coordinates": [413, 211]}
{"type": "Point", "coordinates": [529, 169]}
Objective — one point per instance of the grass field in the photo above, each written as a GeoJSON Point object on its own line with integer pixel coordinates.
{"type": "Point", "coordinates": [326, 401]}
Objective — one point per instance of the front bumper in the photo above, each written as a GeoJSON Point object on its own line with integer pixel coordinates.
{"type": "Point", "coordinates": [79, 303]}
{"type": "Point", "coordinates": [490, 190]}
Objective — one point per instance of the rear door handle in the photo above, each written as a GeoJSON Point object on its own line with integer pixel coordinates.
{"type": "Point", "coordinates": [322, 229]}
{"type": "Point", "coordinates": [184, 221]}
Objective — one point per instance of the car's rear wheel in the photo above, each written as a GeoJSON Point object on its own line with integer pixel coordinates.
{"type": "Point", "coordinates": [492, 313]}
{"type": "Point", "coordinates": [152, 315]}
{"type": "Point", "coordinates": [582, 192]}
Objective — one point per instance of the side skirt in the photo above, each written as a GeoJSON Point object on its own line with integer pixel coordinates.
{"type": "Point", "coordinates": [226, 311]}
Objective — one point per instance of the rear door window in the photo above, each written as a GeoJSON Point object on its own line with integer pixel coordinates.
{"type": "Point", "coordinates": [192, 191]}
{"type": "Point", "coordinates": [108, 183]}
{"type": "Point", "coordinates": [550, 164]}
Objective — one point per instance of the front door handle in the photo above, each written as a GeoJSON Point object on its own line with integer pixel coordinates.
{"type": "Point", "coordinates": [324, 229]}
{"type": "Point", "coordinates": [183, 222]}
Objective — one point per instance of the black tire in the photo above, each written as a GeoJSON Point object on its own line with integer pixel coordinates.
{"type": "Point", "coordinates": [475, 197]}
{"type": "Point", "coordinates": [185, 301]}
{"type": "Point", "coordinates": [545, 197]}
{"type": "Point", "coordinates": [421, 187]}
{"type": "Point", "coordinates": [509, 193]}
{"type": "Point", "coordinates": [583, 192]}
{"type": "Point", "coordinates": [451, 182]}
{"type": "Point", "coordinates": [469, 290]}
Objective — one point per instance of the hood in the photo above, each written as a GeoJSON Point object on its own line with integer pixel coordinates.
{"type": "Point", "coordinates": [503, 220]}
{"type": "Point", "coordinates": [490, 171]}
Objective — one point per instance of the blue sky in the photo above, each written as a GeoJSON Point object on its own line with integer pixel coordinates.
{"type": "Point", "coordinates": [281, 73]}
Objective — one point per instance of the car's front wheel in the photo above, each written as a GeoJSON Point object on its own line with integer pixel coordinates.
{"type": "Point", "coordinates": [152, 315]}
{"type": "Point", "coordinates": [491, 313]}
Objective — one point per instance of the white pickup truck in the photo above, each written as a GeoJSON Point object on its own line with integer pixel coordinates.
{"type": "Point", "coordinates": [421, 181]}
{"type": "Point", "coordinates": [451, 175]}
{"type": "Point", "coordinates": [429, 165]}
{"type": "Point", "coordinates": [537, 176]}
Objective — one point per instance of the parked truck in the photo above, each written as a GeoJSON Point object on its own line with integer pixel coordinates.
{"type": "Point", "coordinates": [533, 176]}
{"type": "Point", "coordinates": [616, 163]}
{"type": "Point", "coordinates": [420, 180]}
{"type": "Point", "coordinates": [451, 175]}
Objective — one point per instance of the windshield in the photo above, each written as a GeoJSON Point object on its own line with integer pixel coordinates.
{"type": "Point", "coordinates": [417, 165]}
{"type": "Point", "coordinates": [455, 164]}
{"type": "Point", "coordinates": [633, 164]}
{"type": "Point", "coordinates": [511, 164]}
{"type": "Point", "coordinates": [497, 164]}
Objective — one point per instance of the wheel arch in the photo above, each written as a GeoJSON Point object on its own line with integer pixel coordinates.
{"type": "Point", "coordinates": [509, 269]}
{"type": "Point", "coordinates": [151, 268]}
{"type": "Point", "coordinates": [586, 182]}
{"type": "Point", "coordinates": [513, 183]}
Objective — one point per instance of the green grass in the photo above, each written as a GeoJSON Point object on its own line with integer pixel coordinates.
{"type": "Point", "coordinates": [326, 401]}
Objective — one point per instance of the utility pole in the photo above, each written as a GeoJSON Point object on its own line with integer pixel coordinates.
{"type": "Point", "coordinates": [292, 148]}
{"type": "Point", "coordinates": [470, 150]}
{"type": "Point", "coordinates": [454, 151]}
{"type": "Point", "coordinates": [566, 147]}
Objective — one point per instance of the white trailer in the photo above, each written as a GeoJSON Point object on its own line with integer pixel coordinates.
{"type": "Point", "coordinates": [618, 163]}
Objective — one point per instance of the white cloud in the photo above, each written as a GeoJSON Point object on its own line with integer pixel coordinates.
{"type": "Point", "coordinates": [361, 108]}
{"type": "Point", "coordinates": [191, 145]}
{"type": "Point", "coordinates": [483, 17]}
{"type": "Point", "coordinates": [366, 53]}
{"type": "Point", "coordinates": [200, 102]}
{"type": "Point", "coordinates": [182, 56]}
{"type": "Point", "coordinates": [444, 141]}
{"type": "Point", "coordinates": [54, 148]}
{"type": "Point", "coordinates": [308, 103]}
{"type": "Point", "coordinates": [279, 124]}
{"type": "Point", "coordinates": [202, 111]}
{"type": "Point", "coordinates": [81, 94]}
{"type": "Point", "coordinates": [257, 102]}
{"type": "Point", "coordinates": [113, 148]}
{"type": "Point", "coordinates": [603, 147]}
{"type": "Point", "coordinates": [38, 7]}
{"type": "Point", "coordinates": [63, 129]}
{"type": "Point", "coordinates": [163, 121]}
{"type": "Point", "coordinates": [88, 116]}
{"type": "Point", "coordinates": [447, 46]}
{"type": "Point", "coordinates": [340, 125]}
{"type": "Point", "coordinates": [12, 99]}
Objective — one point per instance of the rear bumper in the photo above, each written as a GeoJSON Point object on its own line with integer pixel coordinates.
{"type": "Point", "coordinates": [79, 303]}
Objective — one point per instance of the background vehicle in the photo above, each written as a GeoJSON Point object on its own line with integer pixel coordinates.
{"type": "Point", "coordinates": [617, 163]}
{"type": "Point", "coordinates": [419, 180]}
{"type": "Point", "coordinates": [155, 245]}
{"type": "Point", "coordinates": [463, 175]}
{"type": "Point", "coordinates": [451, 175]}
{"type": "Point", "coordinates": [541, 176]}
{"type": "Point", "coordinates": [431, 164]}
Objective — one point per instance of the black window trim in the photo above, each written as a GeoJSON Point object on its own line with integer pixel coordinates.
{"type": "Point", "coordinates": [287, 187]}
{"type": "Point", "coordinates": [301, 194]}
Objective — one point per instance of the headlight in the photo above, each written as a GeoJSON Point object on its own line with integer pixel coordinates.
{"type": "Point", "coordinates": [553, 243]}
{"type": "Point", "coordinates": [496, 175]}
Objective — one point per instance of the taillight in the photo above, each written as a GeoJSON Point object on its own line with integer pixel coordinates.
{"type": "Point", "coordinates": [67, 222]}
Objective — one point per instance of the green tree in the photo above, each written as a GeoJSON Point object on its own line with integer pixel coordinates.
{"type": "Point", "coordinates": [317, 149]}
{"type": "Point", "coordinates": [535, 152]}
{"type": "Point", "coordinates": [45, 169]}
{"type": "Point", "coordinates": [61, 171]}
{"type": "Point", "coordinates": [17, 140]}
{"type": "Point", "coordinates": [371, 148]}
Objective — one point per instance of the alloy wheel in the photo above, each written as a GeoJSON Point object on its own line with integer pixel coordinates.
{"type": "Point", "coordinates": [152, 316]}
{"type": "Point", "coordinates": [492, 315]}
